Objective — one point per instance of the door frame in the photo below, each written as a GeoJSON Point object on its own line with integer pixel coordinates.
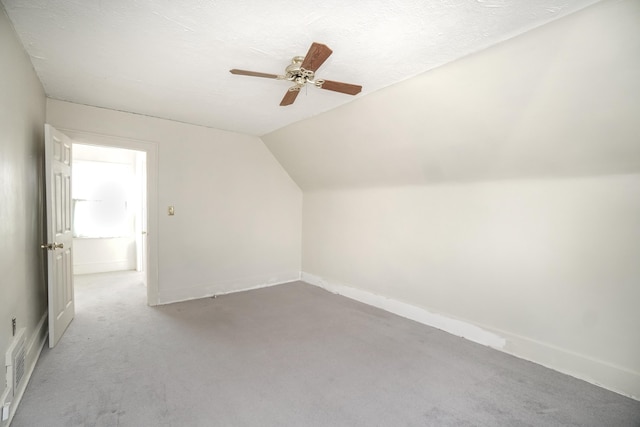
{"type": "Point", "coordinates": [151, 149]}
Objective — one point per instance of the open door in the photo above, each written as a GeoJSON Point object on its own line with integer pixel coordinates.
{"type": "Point", "coordinates": [59, 232]}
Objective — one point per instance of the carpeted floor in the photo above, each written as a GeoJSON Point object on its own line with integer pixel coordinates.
{"type": "Point", "coordinates": [289, 355]}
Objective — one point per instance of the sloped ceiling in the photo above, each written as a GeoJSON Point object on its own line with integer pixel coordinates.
{"type": "Point", "coordinates": [559, 101]}
{"type": "Point", "coordinates": [170, 59]}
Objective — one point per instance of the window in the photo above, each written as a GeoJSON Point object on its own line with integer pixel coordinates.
{"type": "Point", "coordinates": [102, 197]}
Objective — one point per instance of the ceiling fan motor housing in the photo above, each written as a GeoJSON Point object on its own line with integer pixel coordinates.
{"type": "Point", "coordinates": [300, 76]}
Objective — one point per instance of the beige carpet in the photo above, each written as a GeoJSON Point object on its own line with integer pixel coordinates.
{"type": "Point", "coordinates": [290, 355]}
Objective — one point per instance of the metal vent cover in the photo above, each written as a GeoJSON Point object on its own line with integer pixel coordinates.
{"type": "Point", "coordinates": [15, 361]}
{"type": "Point", "coordinates": [18, 367]}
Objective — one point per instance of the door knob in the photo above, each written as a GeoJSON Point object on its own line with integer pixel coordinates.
{"type": "Point", "coordinates": [52, 246]}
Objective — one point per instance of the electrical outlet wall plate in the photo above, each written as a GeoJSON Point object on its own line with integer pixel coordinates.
{"type": "Point", "coordinates": [5, 411]}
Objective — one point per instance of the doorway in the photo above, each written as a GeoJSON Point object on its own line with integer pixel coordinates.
{"type": "Point", "coordinates": [124, 239]}
{"type": "Point", "coordinates": [109, 205]}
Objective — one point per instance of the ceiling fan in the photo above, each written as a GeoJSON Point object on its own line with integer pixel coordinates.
{"type": "Point", "coordinates": [302, 71]}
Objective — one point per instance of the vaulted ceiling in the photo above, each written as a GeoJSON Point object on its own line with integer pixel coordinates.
{"type": "Point", "coordinates": [559, 101]}
{"type": "Point", "coordinates": [171, 59]}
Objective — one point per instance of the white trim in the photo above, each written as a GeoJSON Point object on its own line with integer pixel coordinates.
{"type": "Point", "coordinates": [598, 372]}
{"type": "Point", "coordinates": [39, 336]}
{"type": "Point", "coordinates": [453, 326]}
{"type": "Point", "coordinates": [222, 288]}
{"type": "Point", "coordinates": [606, 375]}
{"type": "Point", "coordinates": [103, 267]}
{"type": "Point", "coordinates": [151, 148]}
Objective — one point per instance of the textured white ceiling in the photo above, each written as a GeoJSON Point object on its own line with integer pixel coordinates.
{"type": "Point", "coordinates": [171, 59]}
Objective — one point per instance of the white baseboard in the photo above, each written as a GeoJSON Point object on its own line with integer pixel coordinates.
{"type": "Point", "coordinates": [600, 373]}
{"type": "Point", "coordinates": [34, 348]}
{"type": "Point", "coordinates": [39, 337]}
{"type": "Point", "coordinates": [103, 267]}
{"type": "Point", "coordinates": [453, 326]}
{"type": "Point", "coordinates": [179, 294]}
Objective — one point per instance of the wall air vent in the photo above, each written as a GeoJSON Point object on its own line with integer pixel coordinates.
{"type": "Point", "coordinates": [15, 362]}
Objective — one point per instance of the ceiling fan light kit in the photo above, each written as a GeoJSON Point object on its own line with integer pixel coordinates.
{"type": "Point", "coordinates": [302, 71]}
{"type": "Point", "coordinates": [300, 76]}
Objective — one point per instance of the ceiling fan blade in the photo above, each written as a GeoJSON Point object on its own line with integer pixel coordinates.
{"type": "Point", "coordinates": [347, 88]}
{"type": "Point", "coordinates": [253, 74]}
{"type": "Point", "coordinates": [318, 53]}
{"type": "Point", "coordinates": [289, 97]}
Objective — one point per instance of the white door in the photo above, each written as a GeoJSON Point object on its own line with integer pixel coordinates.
{"type": "Point", "coordinates": [59, 234]}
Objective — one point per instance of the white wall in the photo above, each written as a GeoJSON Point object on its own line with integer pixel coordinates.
{"type": "Point", "coordinates": [551, 266]}
{"type": "Point", "coordinates": [496, 197]}
{"type": "Point", "coordinates": [238, 214]}
{"type": "Point", "coordinates": [103, 254]}
{"type": "Point", "coordinates": [23, 292]}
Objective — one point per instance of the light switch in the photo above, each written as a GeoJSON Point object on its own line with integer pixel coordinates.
{"type": "Point", "coordinates": [171, 211]}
